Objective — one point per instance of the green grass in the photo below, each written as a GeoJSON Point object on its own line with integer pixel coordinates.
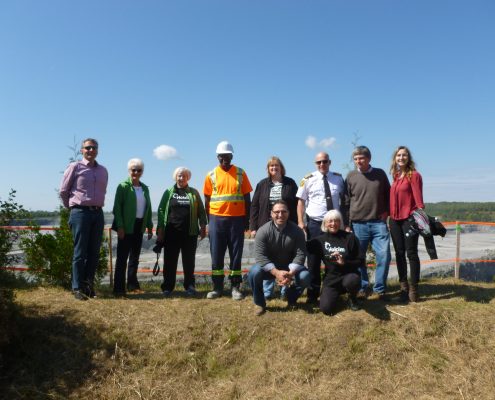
{"type": "Point", "coordinates": [148, 347]}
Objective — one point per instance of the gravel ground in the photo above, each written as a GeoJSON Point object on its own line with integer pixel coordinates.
{"type": "Point", "coordinates": [474, 245]}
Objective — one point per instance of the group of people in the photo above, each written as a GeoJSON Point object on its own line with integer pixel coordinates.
{"type": "Point", "coordinates": [325, 220]}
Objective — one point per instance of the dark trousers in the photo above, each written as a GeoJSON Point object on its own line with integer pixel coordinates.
{"type": "Point", "coordinates": [226, 233]}
{"type": "Point", "coordinates": [87, 231]}
{"type": "Point", "coordinates": [314, 263]}
{"type": "Point", "coordinates": [128, 248]}
{"type": "Point", "coordinates": [350, 283]}
{"type": "Point", "coordinates": [176, 242]}
{"type": "Point", "coordinates": [405, 245]}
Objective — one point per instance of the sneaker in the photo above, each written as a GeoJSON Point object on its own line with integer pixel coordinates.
{"type": "Point", "coordinates": [236, 294]}
{"type": "Point", "coordinates": [167, 293]}
{"type": "Point", "coordinates": [353, 304]}
{"type": "Point", "coordinates": [191, 291]}
{"type": "Point", "coordinates": [78, 295]}
{"type": "Point", "coordinates": [214, 294]}
{"type": "Point", "coordinates": [259, 310]}
{"type": "Point", "coordinates": [363, 294]}
{"type": "Point", "coordinates": [379, 296]}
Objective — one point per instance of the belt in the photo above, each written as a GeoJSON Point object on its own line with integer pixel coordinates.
{"type": "Point", "coordinates": [91, 208]}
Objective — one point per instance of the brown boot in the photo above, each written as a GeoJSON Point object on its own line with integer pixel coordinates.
{"type": "Point", "coordinates": [413, 294]}
{"type": "Point", "coordinates": [404, 292]}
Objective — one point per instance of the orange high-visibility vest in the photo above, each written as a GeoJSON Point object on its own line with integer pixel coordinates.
{"type": "Point", "coordinates": [226, 190]}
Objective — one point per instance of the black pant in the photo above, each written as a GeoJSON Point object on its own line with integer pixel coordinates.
{"type": "Point", "coordinates": [405, 245]}
{"type": "Point", "coordinates": [176, 242]}
{"type": "Point", "coordinates": [329, 297]}
{"type": "Point", "coordinates": [128, 247]}
{"type": "Point", "coordinates": [314, 262]}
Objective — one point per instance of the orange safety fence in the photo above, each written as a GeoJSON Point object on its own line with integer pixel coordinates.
{"type": "Point", "coordinates": [245, 270]}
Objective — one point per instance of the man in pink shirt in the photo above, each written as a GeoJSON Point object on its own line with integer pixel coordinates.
{"type": "Point", "coordinates": [83, 191]}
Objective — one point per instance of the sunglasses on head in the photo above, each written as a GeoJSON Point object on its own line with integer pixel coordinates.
{"type": "Point", "coordinates": [322, 162]}
{"type": "Point", "coordinates": [90, 148]}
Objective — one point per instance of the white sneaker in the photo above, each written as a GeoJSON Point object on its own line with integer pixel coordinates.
{"type": "Point", "coordinates": [213, 295]}
{"type": "Point", "coordinates": [236, 294]}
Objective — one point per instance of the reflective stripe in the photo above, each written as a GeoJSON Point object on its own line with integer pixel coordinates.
{"type": "Point", "coordinates": [236, 273]}
{"type": "Point", "coordinates": [213, 179]}
{"type": "Point", "coordinates": [231, 197]}
{"type": "Point", "coordinates": [217, 272]}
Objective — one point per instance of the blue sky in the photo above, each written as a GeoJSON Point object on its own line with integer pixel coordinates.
{"type": "Point", "coordinates": [265, 75]}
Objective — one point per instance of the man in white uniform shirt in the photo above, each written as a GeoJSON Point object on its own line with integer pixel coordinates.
{"type": "Point", "coordinates": [318, 193]}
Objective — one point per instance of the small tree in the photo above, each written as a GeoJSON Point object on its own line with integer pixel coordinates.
{"type": "Point", "coordinates": [49, 256]}
{"type": "Point", "coordinates": [9, 212]}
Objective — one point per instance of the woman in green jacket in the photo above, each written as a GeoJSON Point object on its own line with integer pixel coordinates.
{"type": "Point", "coordinates": [132, 216]}
{"type": "Point", "coordinates": [181, 218]}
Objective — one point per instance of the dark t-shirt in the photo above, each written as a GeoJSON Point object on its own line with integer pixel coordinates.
{"type": "Point", "coordinates": [179, 210]}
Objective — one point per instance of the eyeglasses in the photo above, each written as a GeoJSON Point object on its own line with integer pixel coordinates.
{"type": "Point", "coordinates": [136, 170]}
{"type": "Point", "coordinates": [88, 148]}
{"type": "Point", "coordinates": [280, 212]}
{"type": "Point", "coordinates": [322, 162]}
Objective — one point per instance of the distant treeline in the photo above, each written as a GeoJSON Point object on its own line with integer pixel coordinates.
{"type": "Point", "coordinates": [446, 210]}
{"type": "Point", "coordinates": [462, 211]}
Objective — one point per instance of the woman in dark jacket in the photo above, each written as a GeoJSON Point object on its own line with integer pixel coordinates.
{"type": "Point", "coordinates": [132, 215]}
{"type": "Point", "coordinates": [275, 187]}
{"type": "Point", "coordinates": [181, 218]}
{"type": "Point", "coordinates": [340, 252]}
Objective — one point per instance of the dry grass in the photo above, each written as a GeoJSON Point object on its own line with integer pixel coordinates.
{"type": "Point", "coordinates": [179, 348]}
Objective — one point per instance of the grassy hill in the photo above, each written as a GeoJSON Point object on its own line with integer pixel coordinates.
{"type": "Point", "coordinates": [148, 347]}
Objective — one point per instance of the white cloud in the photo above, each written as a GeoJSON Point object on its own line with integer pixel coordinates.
{"type": "Point", "coordinates": [164, 152]}
{"type": "Point", "coordinates": [326, 143]}
{"type": "Point", "coordinates": [311, 142]}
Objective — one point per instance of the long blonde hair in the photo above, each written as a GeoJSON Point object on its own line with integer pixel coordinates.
{"type": "Point", "coordinates": [410, 167]}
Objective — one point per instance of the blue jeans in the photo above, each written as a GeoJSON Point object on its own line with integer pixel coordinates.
{"type": "Point", "coordinates": [257, 275]}
{"type": "Point", "coordinates": [87, 231]}
{"type": "Point", "coordinates": [269, 289]}
{"type": "Point", "coordinates": [226, 233]}
{"type": "Point", "coordinates": [376, 233]}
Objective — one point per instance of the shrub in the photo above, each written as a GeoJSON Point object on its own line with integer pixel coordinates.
{"type": "Point", "coordinates": [49, 256]}
{"type": "Point", "coordinates": [9, 212]}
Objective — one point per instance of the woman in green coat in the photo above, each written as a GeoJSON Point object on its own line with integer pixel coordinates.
{"type": "Point", "coordinates": [181, 219]}
{"type": "Point", "coordinates": [132, 216]}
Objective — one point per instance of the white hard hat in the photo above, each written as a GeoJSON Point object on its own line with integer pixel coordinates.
{"type": "Point", "coordinates": [224, 147]}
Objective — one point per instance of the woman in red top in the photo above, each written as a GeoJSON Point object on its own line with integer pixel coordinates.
{"type": "Point", "coordinates": [406, 195]}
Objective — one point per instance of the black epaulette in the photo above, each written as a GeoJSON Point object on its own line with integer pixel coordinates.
{"type": "Point", "coordinates": [336, 173]}
{"type": "Point", "coordinates": [306, 177]}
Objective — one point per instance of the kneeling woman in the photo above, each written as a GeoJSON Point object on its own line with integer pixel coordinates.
{"type": "Point", "coordinates": [339, 250]}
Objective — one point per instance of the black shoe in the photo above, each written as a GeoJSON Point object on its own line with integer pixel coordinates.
{"type": "Point", "coordinates": [78, 295]}
{"type": "Point", "coordinates": [312, 300]}
{"type": "Point", "coordinates": [353, 304]}
{"type": "Point", "coordinates": [404, 297]}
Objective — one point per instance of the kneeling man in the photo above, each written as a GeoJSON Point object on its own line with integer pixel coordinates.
{"type": "Point", "coordinates": [280, 252]}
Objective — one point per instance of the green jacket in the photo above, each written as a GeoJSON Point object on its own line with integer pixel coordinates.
{"type": "Point", "coordinates": [124, 207]}
{"type": "Point", "coordinates": [197, 210]}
